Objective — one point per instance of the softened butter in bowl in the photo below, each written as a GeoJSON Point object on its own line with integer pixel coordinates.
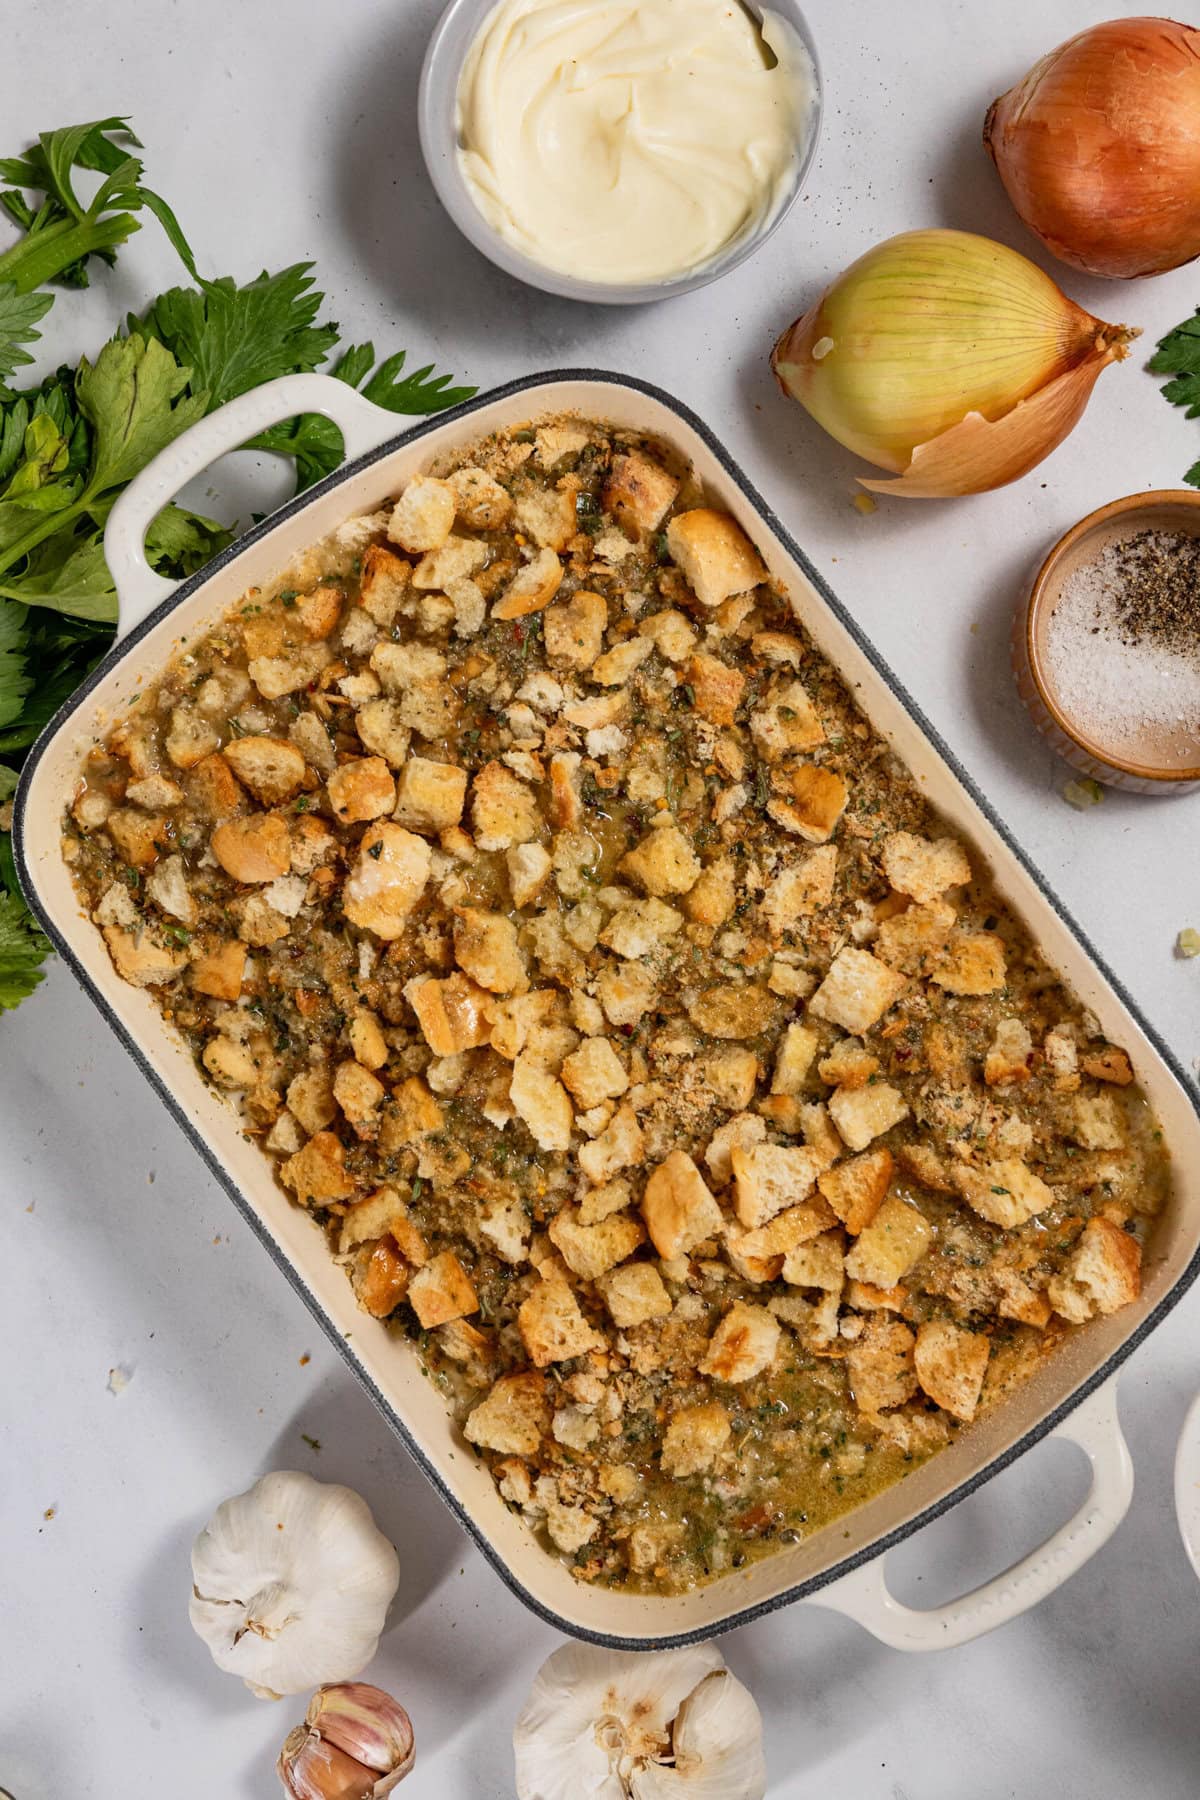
{"type": "Point", "coordinates": [632, 141]}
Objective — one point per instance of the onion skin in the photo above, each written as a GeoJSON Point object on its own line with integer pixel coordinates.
{"type": "Point", "coordinates": [1099, 147]}
{"type": "Point", "coordinates": [952, 361]}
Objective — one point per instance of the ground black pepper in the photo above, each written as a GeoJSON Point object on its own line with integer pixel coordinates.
{"type": "Point", "coordinates": [1156, 594]}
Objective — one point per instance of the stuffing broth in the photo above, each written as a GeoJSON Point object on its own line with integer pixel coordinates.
{"type": "Point", "coordinates": [600, 981]}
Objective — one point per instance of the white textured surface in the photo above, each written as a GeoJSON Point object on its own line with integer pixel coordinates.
{"type": "Point", "coordinates": [283, 132]}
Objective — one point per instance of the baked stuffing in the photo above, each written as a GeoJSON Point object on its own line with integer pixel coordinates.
{"type": "Point", "coordinates": [599, 980]}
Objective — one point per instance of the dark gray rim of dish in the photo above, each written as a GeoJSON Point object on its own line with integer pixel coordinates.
{"type": "Point", "coordinates": [225, 560]}
{"type": "Point", "coordinates": [438, 136]}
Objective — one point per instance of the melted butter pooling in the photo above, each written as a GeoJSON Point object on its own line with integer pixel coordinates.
{"type": "Point", "coordinates": [630, 142]}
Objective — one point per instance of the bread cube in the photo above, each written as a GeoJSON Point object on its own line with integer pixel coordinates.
{"type": "Point", "coordinates": [715, 554]}
{"type": "Point", "coordinates": [212, 787]}
{"type": "Point", "coordinates": [528, 867]}
{"type": "Point", "coordinates": [640, 928]}
{"type": "Point", "coordinates": [634, 1294]}
{"type": "Point", "coordinates": [594, 1073]}
{"type": "Point", "coordinates": [272, 769]}
{"type": "Point", "coordinates": [857, 991]}
{"type": "Point", "coordinates": [663, 863]}
{"type": "Point", "coordinates": [1006, 1193]}
{"type": "Point", "coordinates": [1098, 1122]}
{"type": "Point", "coordinates": [718, 688]}
{"type": "Point", "coordinates": [552, 1327]}
{"type": "Point", "coordinates": [483, 505]}
{"type": "Point", "coordinates": [951, 1364]}
{"type": "Point", "coordinates": [818, 1262]}
{"type": "Point", "coordinates": [694, 1438]}
{"type": "Point", "coordinates": [743, 1345]}
{"type": "Point", "coordinates": [713, 897]}
{"type": "Point", "coordinates": [219, 973]}
{"type": "Point", "coordinates": [360, 1095]}
{"type": "Point", "coordinates": [504, 810]}
{"type": "Point", "coordinates": [912, 941]}
{"type": "Point", "coordinates": [816, 801]}
{"type": "Point", "coordinates": [1009, 1055]}
{"type": "Point", "coordinates": [590, 1251]}
{"type": "Point", "coordinates": [861, 1114]}
{"type": "Point", "coordinates": [486, 948]}
{"type": "Point", "coordinates": [856, 1189]}
{"type": "Point", "coordinates": [360, 790]}
{"type": "Point", "coordinates": [732, 1009]}
{"type": "Point", "coordinates": [924, 870]}
{"type": "Point", "coordinates": [880, 1366]}
{"type": "Point", "coordinates": [787, 723]}
{"type": "Point", "coordinates": [382, 1214]}
{"type": "Point", "coordinates": [532, 588]}
{"type": "Point", "coordinates": [547, 515]}
{"type": "Point", "coordinates": [769, 1177]}
{"type": "Point", "coordinates": [797, 1048]}
{"type": "Point", "coordinates": [819, 1134]}
{"type": "Point", "coordinates": [799, 890]}
{"type": "Point", "coordinates": [972, 965]}
{"type": "Point", "coordinates": [543, 1103]}
{"type": "Point", "coordinates": [678, 1207]}
{"type": "Point", "coordinates": [893, 1243]}
{"type": "Point", "coordinates": [317, 1174]}
{"type": "Point", "coordinates": [382, 583]}
{"type": "Point", "coordinates": [254, 848]}
{"type": "Point", "coordinates": [1108, 1064]}
{"type": "Point", "coordinates": [423, 517]}
{"type": "Point", "coordinates": [741, 1132]}
{"type": "Point", "coordinates": [456, 560]}
{"type": "Point", "coordinates": [310, 1098]}
{"type": "Point", "coordinates": [387, 879]}
{"type": "Point", "coordinates": [454, 1014]}
{"type": "Point", "coordinates": [514, 1417]}
{"type": "Point", "coordinates": [626, 992]}
{"type": "Point", "coordinates": [670, 633]}
{"type": "Point", "coordinates": [574, 633]}
{"type": "Point", "coordinates": [442, 1290]}
{"type": "Point", "coordinates": [638, 492]}
{"type": "Point", "coordinates": [1102, 1274]}
{"type": "Point", "coordinates": [620, 1145]}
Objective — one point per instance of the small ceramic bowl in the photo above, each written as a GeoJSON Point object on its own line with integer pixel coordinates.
{"type": "Point", "coordinates": [1160, 763]}
{"type": "Point", "coordinates": [437, 120]}
{"type": "Point", "coordinates": [1187, 1484]}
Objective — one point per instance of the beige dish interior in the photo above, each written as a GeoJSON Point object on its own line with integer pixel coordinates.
{"type": "Point", "coordinates": [1172, 753]}
{"type": "Point", "coordinates": [388, 1362]}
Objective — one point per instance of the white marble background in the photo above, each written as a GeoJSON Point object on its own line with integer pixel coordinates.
{"type": "Point", "coordinates": [280, 132]}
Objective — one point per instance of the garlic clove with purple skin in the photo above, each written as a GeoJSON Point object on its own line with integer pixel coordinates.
{"type": "Point", "coordinates": [356, 1744]}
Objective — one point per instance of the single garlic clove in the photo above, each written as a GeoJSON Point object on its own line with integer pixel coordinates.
{"type": "Point", "coordinates": [313, 1770]}
{"type": "Point", "coordinates": [367, 1724]}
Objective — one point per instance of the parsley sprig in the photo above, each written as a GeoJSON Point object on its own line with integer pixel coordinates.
{"type": "Point", "coordinates": [71, 443]}
{"type": "Point", "coordinates": [1178, 355]}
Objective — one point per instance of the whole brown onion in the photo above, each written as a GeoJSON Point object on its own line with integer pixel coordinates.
{"type": "Point", "coordinates": [1099, 147]}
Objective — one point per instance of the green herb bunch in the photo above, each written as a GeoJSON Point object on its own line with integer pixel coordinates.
{"type": "Point", "coordinates": [70, 444]}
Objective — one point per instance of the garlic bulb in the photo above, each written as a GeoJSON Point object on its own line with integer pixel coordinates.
{"type": "Point", "coordinates": [609, 1725]}
{"type": "Point", "coordinates": [291, 1584]}
{"type": "Point", "coordinates": [356, 1743]}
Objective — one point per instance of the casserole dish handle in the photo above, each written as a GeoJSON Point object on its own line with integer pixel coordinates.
{"type": "Point", "coordinates": [363, 426]}
{"type": "Point", "coordinates": [864, 1595]}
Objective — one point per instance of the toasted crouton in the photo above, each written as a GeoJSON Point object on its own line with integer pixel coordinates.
{"type": "Point", "coordinates": [950, 1365]}
{"type": "Point", "coordinates": [1103, 1273]}
{"type": "Point", "coordinates": [380, 1278]}
{"type": "Point", "coordinates": [361, 789]}
{"type": "Point", "coordinates": [694, 1438]}
{"type": "Point", "coordinates": [880, 1366]}
{"type": "Point", "coordinates": [387, 879]}
{"type": "Point", "coordinates": [543, 1103]}
{"type": "Point", "coordinates": [360, 1095]}
{"type": "Point", "coordinates": [552, 1327]}
{"type": "Point", "coordinates": [382, 1214]}
{"type": "Point", "coordinates": [212, 787]}
{"type": "Point", "coordinates": [192, 738]}
{"type": "Point", "coordinates": [768, 1178]}
{"type": "Point", "coordinates": [1018, 1300]}
{"type": "Point", "coordinates": [272, 769]}
{"type": "Point", "coordinates": [625, 992]}
{"type": "Point", "coordinates": [677, 1206]}
{"type": "Point", "coordinates": [614, 668]}
{"type": "Point", "coordinates": [442, 1290]}
{"type": "Point", "coordinates": [547, 515]}
{"type": "Point", "coordinates": [532, 588]}
{"type": "Point", "coordinates": [528, 867]}
{"type": "Point", "coordinates": [732, 1009]}
{"type": "Point", "coordinates": [715, 554]}
{"type": "Point", "coordinates": [743, 1131]}
{"type": "Point", "coordinates": [856, 1189]}
{"type": "Point", "coordinates": [663, 863]}
{"type": "Point", "coordinates": [670, 633]}
{"type": "Point", "coordinates": [456, 560]}
{"type": "Point", "coordinates": [818, 1262]}
{"type": "Point", "coordinates": [718, 688]}
{"type": "Point", "coordinates": [634, 1294]}
{"type": "Point", "coordinates": [594, 1073]}
{"type": "Point", "coordinates": [893, 1243]}
{"type": "Point", "coordinates": [590, 1251]}
{"type": "Point", "coordinates": [429, 795]}
{"type": "Point", "coordinates": [800, 889]}
{"type": "Point", "coordinates": [1009, 1055]}
{"type": "Point", "coordinates": [1006, 1193]}
{"type": "Point", "coordinates": [862, 1114]}
{"type": "Point", "coordinates": [1108, 1064]}
{"type": "Point", "coordinates": [483, 505]}
{"type": "Point", "coordinates": [140, 838]}
{"type": "Point", "coordinates": [819, 1133]}
{"type": "Point", "coordinates": [254, 848]}
{"type": "Point", "coordinates": [155, 793]}
{"type": "Point", "coordinates": [423, 516]}
{"type": "Point", "coordinates": [972, 965]}
{"type": "Point", "coordinates": [454, 1014]}
{"type": "Point", "coordinates": [731, 1075]}
{"type": "Point", "coordinates": [574, 633]}
{"type": "Point", "coordinates": [503, 809]}
{"type": "Point", "coordinates": [219, 972]}
{"type": "Point", "coordinates": [713, 897]}
{"type": "Point", "coordinates": [743, 1345]}
{"type": "Point", "coordinates": [310, 1098]}
{"type": "Point", "coordinates": [913, 940]}
{"type": "Point", "coordinates": [485, 947]}
{"type": "Point", "coordinates": [638, 929]}
{"type": "Point", "coordinates": [320, 609]}
{"type": "Point", "coordinates": [513, 1418]}
{"type": "Point", "coordinates": [816, 801]}
{"type": "Point", "coordinates": [382, 583]}
{"type": "Point", "coordinates": [857, 990]}
{"type": "Point", "coordinates": [924, 870]}
{"type": "Point", "coordinates": [849, 1064]}
{"type": "Point", "coordinates": [638, 491]}
{"type": "Point", "coordinates": [620, 1145]}
{"type": "Point", "coordinates": [786, 723]}
{"type": "Point", "coordinates": [317, 1174]}
{"type": "Point", "coordinates": [797, 1048]}
{"type": "Point", "coordinates": [1098, 1122]}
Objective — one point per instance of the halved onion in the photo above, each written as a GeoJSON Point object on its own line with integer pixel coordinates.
{"type": "Point", "coordinates": [949, 359]}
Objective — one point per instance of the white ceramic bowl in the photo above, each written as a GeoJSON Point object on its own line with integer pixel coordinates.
{"type": "Point", "coordinates": [1187, 1483]}
{"type": "Point", "coordinates": [437, 114]}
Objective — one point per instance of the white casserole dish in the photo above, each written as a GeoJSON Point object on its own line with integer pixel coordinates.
{"type": "Point", "coordinates": [841, 1566]}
